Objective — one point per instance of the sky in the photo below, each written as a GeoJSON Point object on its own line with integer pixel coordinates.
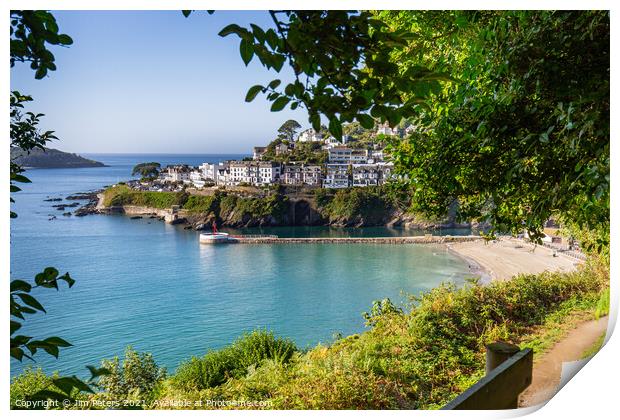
{"type": "Point", "coordinates": [154, 82]}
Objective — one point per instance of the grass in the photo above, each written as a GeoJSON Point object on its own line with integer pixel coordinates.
{"type": "Point", "coordinates": [120, 195]}
{"type": "Point", "coordinates": [595, 347]}
{"type": "Point", "coordinates": [201, 204]}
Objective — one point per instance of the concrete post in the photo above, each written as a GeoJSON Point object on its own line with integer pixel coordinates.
{"type": "Point", "coordinates": [497, 353]}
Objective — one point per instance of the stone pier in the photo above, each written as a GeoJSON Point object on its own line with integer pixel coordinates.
{"type": "Point", "coordinates": [426, 239]}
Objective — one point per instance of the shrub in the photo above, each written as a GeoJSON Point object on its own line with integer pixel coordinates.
{"type": "Point", "coordinates": [137, 376]}
{"type": "Point", "coordinates": [216, 367]}
{"type": "Point", "coordinates": [28, 383]}
{"type": "Point", "coordinates": [370, 204]}
{"type": "Point", "coordinates": [602, 306]}
{"type": "Point", "coordinates": [201, 204]}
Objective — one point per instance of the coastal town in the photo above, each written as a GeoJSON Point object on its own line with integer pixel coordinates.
{"type": "Point", "coordinates": [439, 239]}
{"type": "Point", "coordinates": [347, 163]}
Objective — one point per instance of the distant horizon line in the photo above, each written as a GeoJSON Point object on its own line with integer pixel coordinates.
{"type": "Point", "coordinates": [160, 153]}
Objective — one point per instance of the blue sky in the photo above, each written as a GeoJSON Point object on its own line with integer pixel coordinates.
{"type": "Point", "coordinates": [153, 81]}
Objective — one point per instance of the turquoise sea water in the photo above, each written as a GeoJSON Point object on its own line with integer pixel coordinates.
{"type": "Point", "coordinates": [150, 285]}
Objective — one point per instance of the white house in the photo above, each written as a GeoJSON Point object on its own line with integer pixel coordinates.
{"type": "Point", "coordinates": [359, 156]}
{"type": "Point", "coordinates": [251, 172]}
{"type": "Point", "coordinates": [258, 152]}
{"type": "Point", "coordinates": [210, 171]}
{"type": "Point", "coordinates": [302, 174]}
{"type": "Point", "coordinates": [343, 154]}
{"type": "Point", "coordinates": [336, 175]}
{"type": "Point", "coordinates": [309, 135]}
{"type": "Point", "coordinates": [385, 129]}
{"type": "Point", "coordinates": [339, 154]}
{"type": "Point", "coordinates": [196, 178]}
{"type": "Point", "coordinates": [364, 175]}
{"type": "Point", "coordinates": [177, 173]}
{"type": "Point", "coordinates": [268, 173]}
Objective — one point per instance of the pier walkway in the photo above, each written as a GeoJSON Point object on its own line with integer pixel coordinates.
{"type": "Point", "coordinates": [426, 239]}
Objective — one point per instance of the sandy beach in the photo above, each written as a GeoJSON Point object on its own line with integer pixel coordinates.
{"type": "Point", "coordinates": [504, 258]}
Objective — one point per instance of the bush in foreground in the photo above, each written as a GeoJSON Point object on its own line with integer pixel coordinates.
{"type": "Point", "coordinates": [137, 376]}
{"type": "Point", "coordinates": [28, 383]}
{"type": "Point", "coordinates": [216, 367]}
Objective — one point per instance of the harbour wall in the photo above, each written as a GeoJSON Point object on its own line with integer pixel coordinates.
{"type": "Point", "coordinates": [426, 239]}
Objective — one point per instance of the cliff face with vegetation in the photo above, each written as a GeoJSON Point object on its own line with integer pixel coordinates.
{"type": "Point", "coordinates": [355, 207]}
{"type": "Point", "coordinates": [51, 158]}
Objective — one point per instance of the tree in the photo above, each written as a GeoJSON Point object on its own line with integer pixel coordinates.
{"type": "Point", "coordinates": [341, 64]}
{"type": "Point", "coordinates": [288, 130]}
{"type": "Point", "coordinates": [147, 169]}
{"type": "Point", "coordinates": [31, 30]}
{"type": "Point", "coordinates": [525, 135]}
{"type": "Point", "coordinates": [512, 107]}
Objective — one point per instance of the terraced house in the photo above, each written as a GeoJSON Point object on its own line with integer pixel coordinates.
{"type": "Point", "coordinates": [251, 173]}
{"type": "Point", "coordinates": [302, 174]}
{"type": "Point", "coordinates": [364, 175]}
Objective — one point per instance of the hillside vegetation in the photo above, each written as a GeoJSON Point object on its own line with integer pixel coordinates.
{"type": "Point", "coordinates": [367, 206]}
{"type": "Point", "coordinates": [230, 209]}
{"type": "Point", "coordinates": [51, 158]}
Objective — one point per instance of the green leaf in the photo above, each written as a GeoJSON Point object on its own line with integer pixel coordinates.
{"type": "Point", "coordinates": [247, 51]}
{"type": "Point", "coordinates": [272, 38]}
{"type": "Point", "coordinates": [50, 349]}
{"type": "Point", "coordinates": [19, 178]}
{"type": "Point", "coordinates": [15, 326]}
{"type": "Point", "coordinates": [274, 84]}
{"type": "Point", "coordinates": [315, 120]}
{"type": "Point", "coordinates": [186, 13]}
{"type": "Point", "coordinates": [50, 273]}
{"type": "Point", "coordinates": [27, 310]}
{"type": "Point", "coordinates": [96, 372]}
{"type": "Point", "coordinates": [258, 32]}
{"type": "Point", "coordinates": [279, 103]}
{"type": "Point", "coordinates": [366, 121]}
{"type": "Point", "coordinates": [40, 73]}
{"type": "Point", "coordinates": [252, 92]}
{"type": "Point", "coordinates": [19, 340]}
{"type": "Point", "coordinates": [335, 127]}
{"type": "Point", "coordinates": [66, 277]}
{"type": "Point", "coordinates": [65, 39]}
{"type": "Point", "coordinates": [233, 28]}
{"type": "Point", "coordinates": [17, 353]}
{"type": "Point", "coordinates": [31, 301]}
{"type": "Point", "coordinates": [57, 341]}
{"type": "Point", "coordinates": [64, 384]}
{"type": "Point", "coordinates": [20, 285]}
{"type": "Point", "coordinates": [67, 383]}
{"type": "Point", "coordinates": [278, 61]}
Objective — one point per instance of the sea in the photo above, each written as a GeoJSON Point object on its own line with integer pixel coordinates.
{"type": "Point", "coordinates": [152, 286]}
